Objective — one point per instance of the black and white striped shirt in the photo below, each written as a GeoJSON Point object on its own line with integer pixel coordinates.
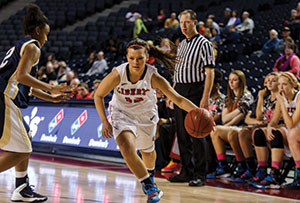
{"type": "Point", "coordinates": [194, 55]}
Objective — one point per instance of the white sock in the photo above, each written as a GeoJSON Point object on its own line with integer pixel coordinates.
{"type": "Point", "coordinates": [21, 174]}
{"type": "Point", "coordinates": [144, 178]}
{"type": "Point", "coordinates": [150, 169]}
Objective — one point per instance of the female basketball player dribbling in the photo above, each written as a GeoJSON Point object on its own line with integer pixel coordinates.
{"type": "Point", "coordinates": [133, 109]}
{"type": "Point", "coordinates": [16, 67]}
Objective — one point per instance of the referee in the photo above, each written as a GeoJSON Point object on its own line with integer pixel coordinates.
{"type": "Point", "coordinates": [194, 76]}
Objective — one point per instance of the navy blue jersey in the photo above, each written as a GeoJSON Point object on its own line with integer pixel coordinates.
{"type": "Point", "coordinates": [8, 82]}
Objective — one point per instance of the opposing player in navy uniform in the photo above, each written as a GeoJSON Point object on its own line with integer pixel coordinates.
{"type": "Point", "coordinates": [16, 84]}
{"type": "Point", "coordinates": [133, 109]}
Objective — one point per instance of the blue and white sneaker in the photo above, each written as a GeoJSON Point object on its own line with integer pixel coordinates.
{"type": "Point", "coordinates": [238, 172]}
{"type": "Point", "coordinates": [153, 193]}
{"type": "Point", "coordinates": [247, 175]}
{"type": "Point", "coordinates": [24, 193]}
{"type": "Point", "coordinates": [295, 185]}
{"type": "Point", "coordinates": [220, 172]}
{"type": "Point", "coordinates": [260, 175]}
{"type": "Point", "coordinates": [272, 181]}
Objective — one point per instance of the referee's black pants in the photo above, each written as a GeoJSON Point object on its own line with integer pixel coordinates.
{"type": "Point", "coordinates": [192, 150]}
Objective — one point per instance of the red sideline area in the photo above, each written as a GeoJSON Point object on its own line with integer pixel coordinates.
{"type": "Point", "coordinates": [220, 183]}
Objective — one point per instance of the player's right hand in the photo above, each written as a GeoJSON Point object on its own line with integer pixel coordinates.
{"type": "Point", "coordinates": [61, 89]}
{"type": "Point", "coordinates": [107, 130]}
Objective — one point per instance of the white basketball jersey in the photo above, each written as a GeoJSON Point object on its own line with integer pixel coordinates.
{"type": "Point", "coordinates": [135, 99]}
{"type": "Point", "coordinates": [291, 106]}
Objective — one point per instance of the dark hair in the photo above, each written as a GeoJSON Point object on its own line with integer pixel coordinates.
{"type": "Point", "coordinates": [34, 18]}
{"type": "Point", "coordinates": [165, 58]}
{"type": "Point", "coordinates": [291, 45]}
{"type": "Point", "coordinates": [192, 13]}
{"type": "Point", "coordinates": [218, 76]}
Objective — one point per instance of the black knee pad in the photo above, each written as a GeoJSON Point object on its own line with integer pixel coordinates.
{"type": "Point", "coordinates": [277, 142]}
{"type": "Point", "coordinates": [260, 138]}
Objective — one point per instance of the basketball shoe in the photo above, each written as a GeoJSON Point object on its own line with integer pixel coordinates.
{"type": "Point", "coordinates": [295, 185]}
{"type": "Point", "coordinates": [24, 193]}
{"type": "Point", "coordinates": [272, 181]}
{"type": "Point", "coordinates": [153, 193]}
{"type": "Point", "coordinates": [220, 172]}
{"type": "Point", "coordinates": [171, 167]}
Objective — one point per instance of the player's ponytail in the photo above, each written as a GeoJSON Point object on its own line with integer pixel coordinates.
{"type": "Point", "coordinates": [165, 58]}
{"type": "Point", "coordinates": [34, 17]}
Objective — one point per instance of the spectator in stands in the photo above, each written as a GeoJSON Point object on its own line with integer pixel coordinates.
{"type": "Point", "coordinates": [41, 74]}
{"type": "Point", "coordinates": [62, 71]}
{"type": "Point", "coordinates": [74, 84]}
{"type": "Point", "coordinates": [139, 27]}
{"type": "Point", "coordinates": [207, 33]}
{"type": "Point", "coordinates": [99, 66]}
{"type": "Point", "coordinates": [293, 18]}
{"type": "Point", "coordinates": [233, 36]}
{"type": "Point", "coordinates": [212, 25]}
{"type": "Point", "coordinates": [256, 119]}
{"type": "Point", "coordinates": [95, 84]}
{"type": "Point", "coordinates": [215, 36]}
{"type": "Point", "coordinates": [201, 27]}
{"type": "Point", "coordinates": [227, 13]}
{"type": "Point", "coordinates": [70, 75]}
{"type": "Point", "coordinates": [161, 18]}
{"type": "Point", "coordinates": [89, 62]}
{"type": "Point", "coordinates": [172, 22]}
{"type": "Point", "coordinates": [234, 19]}
{"type": "Point", "coordinates": [216, 105]}
{"type": "Point", "coordinates": [248, 24]}
{"type": "Point", "coordinates": [110, 46]}
{"type": "Point", "coordinates": [271, 45]}
{"type": "Point", "coordinates": [286, 108]}
{"type": "Point", "coordinates": [238, 103]}
{"type": "Point", "coordinates": [83, 91]}
{"type": "Point", "coordinates": [286, 32]}
{"type": "Point", "coordinates": [50, 73]}
{"type": "Point", "coordinates": [289, 62]}
{"type": "Point", "coordinates": [130, 15]}
{"type": "Point", "coordinates": [165, 44]}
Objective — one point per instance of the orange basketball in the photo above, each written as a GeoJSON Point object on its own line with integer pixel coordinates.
{"type": "Point", "coordinates": [199, 122]}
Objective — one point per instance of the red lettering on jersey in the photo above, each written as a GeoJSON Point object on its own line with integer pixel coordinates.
{"type": "Point", "coordinates": [138, 91]}
{"type": "Point", "coordinates": [132, 92]}
{"type": "Point", "coordinates": [127, 92]}
{"type": "Point", "coordinates": [128, 100]}
{"type": "Point", "coordinates": [145, 91]}
{"type": "Point", "coordinates": [139, 99]}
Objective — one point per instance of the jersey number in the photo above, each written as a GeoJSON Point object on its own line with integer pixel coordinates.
{"type": "Point", "coordinates": [136, 100]}
{"type": "Point", "coordinates": [8, 54]}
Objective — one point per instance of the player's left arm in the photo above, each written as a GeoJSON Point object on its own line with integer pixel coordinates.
{"type": "Point", "coordinates": [291, 121]}
{"type": "Point", "coordinates": [48, 97]}
{"type": "Point", "coordinates": [161, 83]}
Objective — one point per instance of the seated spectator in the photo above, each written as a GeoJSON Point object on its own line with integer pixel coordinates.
{"type": "Point", "coordinates": [130, 15]}
{"type": "Point", "coordinates": [215, 36]}
{"type": "Point", "coordinates": [271, 45]}
{"type": "Point", "coordinates": [286, 32]}
{"type": "Point", "coordinates": [234, 19]}
{"type": "Point", "coordinates": [238, 103]}
{"type": "Point", "coordinates": [207, 34]}
{"type": "Point", "coordinates": [41, 74]}
{"type": "Point", "coordinates": [289, 62]}
{"type": "Point", "coordinates": [110, 46]}
{"type": "Point", "coordinates": [50, 73]}
{"type": "Point", "coordinates": [62, 71]}
{"type": "Point", "coordinates": [139, 27]}
{"type": "Point", "coordinates": [75, 82]}
{"type": "Point", "coordinates": [165, 44]}
{"type": "Point", "coordinates": [233, 36]}
{"type": "Point", "coordinates": [83, 91]}
{"type": "Point", "coordinates": [89, 62]}
{"type": "Point", "coordinates": [212, 25]}
{"type": "Point", "coordinates": [227, 13]}
{"type": "Point", "coordinates": [96, 84]}
{"type": "Point", "coordinates": [247, 26]}
{"type": "Point", "coordinates": [172, 22]}
{"type": "Point", "coordinates": [161, 18]}
{"type": "Point", "coordinates": [69, 77]}
{"type": "Point", "coordinates": [99, 65]}
{"type": "Point", "coordinates": [201, 27]}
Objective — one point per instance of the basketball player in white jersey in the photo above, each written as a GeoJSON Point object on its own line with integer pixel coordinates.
{"type": "Point", "coordinates": [133, 109]}
{"type": "Point", "coordinates": [289, 108]}
{"type": "Point", "coordinates": [286, 108]}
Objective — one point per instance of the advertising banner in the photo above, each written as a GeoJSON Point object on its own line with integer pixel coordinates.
{"type": "Point", "coordinates": [72, 126]}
